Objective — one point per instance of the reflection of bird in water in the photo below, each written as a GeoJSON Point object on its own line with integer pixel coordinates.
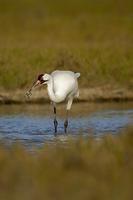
{"type": "Point", "coordinates": [61, 86]}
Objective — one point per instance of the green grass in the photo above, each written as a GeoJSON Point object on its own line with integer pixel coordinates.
{"type": "Point", "coordinates": [91, 169]}
{"type": "Point", "coordinates": [93, 37]}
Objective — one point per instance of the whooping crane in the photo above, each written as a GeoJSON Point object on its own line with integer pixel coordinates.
{"type": "Point", "coordinates": [61, 86]}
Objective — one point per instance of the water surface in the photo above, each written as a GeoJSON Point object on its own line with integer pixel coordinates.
{"type": "Point", "coordinates": [32, 125]}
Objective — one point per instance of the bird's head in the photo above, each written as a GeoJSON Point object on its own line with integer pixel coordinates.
{"type": "Point", "coordinates": [42, 79]}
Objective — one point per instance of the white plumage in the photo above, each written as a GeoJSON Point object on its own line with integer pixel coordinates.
{"type": "Point", "coordinates": [61, 86]}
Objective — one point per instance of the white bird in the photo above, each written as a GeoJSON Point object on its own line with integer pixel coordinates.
{"type": "Point", "coordinates": [61, 86]}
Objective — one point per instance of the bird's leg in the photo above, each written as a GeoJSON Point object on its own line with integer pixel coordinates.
{"type": "Point", "coordinates": [55, 121]}
{"type": "Point", "coordinates": [66, 122]}
{"type": "Point", "coordinates": [69, 104]}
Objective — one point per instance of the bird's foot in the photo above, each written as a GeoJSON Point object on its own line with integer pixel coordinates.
{"type": "Point", "coordinates": [55, 125]}
{"type": "Point", "coordinates": [65, 126]}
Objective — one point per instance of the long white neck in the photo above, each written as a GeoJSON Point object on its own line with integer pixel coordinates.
{"type": "Point", "coordinates": [51, 92]}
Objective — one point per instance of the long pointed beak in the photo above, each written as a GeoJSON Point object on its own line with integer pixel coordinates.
{"type": "Point", "coordinates": [35, 84]}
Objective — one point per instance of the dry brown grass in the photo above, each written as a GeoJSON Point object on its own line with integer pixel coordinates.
{"type": "Point", "coordinates": [92, 37]}
{"type": "Point", "coordinates": [91, 169]}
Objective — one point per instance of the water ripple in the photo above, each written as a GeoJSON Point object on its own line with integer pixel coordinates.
{"type": "Point", "coordinates": [37, 130]}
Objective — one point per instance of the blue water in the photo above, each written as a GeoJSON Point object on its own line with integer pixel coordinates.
{"type": "Point", "coordinates": [33, 126]}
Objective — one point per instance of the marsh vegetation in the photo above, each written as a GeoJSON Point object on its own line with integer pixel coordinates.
{"type": "Point", "coordinates": [86, 169]}
{"type": "Point", "coordinates": [92, 37]}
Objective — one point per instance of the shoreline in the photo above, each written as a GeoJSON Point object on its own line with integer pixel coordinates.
{"type": "Point", "coordinates": [95, 94]}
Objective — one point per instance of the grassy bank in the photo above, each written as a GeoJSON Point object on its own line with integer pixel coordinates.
{"type": "Point", "coordinates": [91, 169]}
{"type": "Point", "coordinates": [93, 37]}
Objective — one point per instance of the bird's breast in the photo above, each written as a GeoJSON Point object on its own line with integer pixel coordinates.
{"type": "Point", "coordinates": [60, 97]}
{"type": "Point", "coordinates": [56, 96]}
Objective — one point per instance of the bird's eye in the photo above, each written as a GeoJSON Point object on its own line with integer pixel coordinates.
{"type": "Point", "coordinates": [42, 81]}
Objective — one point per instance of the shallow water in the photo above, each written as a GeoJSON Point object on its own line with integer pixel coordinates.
{"type": "Point", "coordinates": [32, 125]}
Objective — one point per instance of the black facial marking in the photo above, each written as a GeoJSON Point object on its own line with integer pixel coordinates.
{"type": "Point", "coordinates": [40, 78]}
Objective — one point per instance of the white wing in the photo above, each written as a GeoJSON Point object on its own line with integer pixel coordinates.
{"type": "Point", "coordinates": [65, 83]}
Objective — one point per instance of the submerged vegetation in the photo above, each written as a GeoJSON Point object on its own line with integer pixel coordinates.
{"type": "Point", "coordinates": [93, 37]}
{"type": "Point", "coordinates": [92, 169]}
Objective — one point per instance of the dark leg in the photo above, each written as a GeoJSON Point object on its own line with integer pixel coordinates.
{"type": "Point", "coordinates": [66, 123]}
{"type": "Point", "coordinates": [55, 121]}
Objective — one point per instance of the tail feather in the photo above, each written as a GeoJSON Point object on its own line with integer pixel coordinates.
{"type": "Point", "coordinates": [77, 74]}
